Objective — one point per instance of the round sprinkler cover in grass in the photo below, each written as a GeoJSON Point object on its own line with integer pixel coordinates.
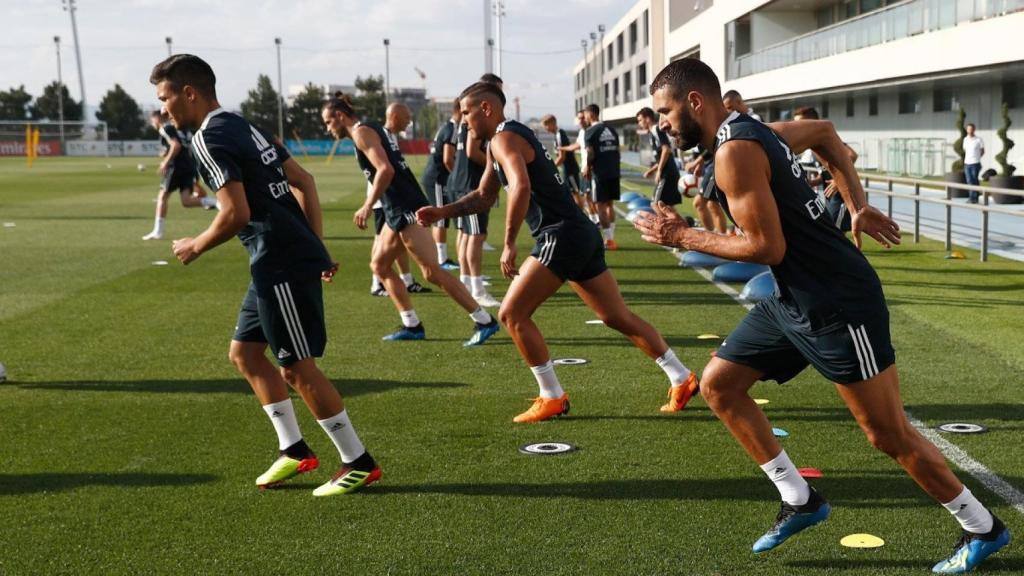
{"type": "Point", "coordinates": [963, 428]}
{"type": "Point", "coordinates": [570, 361]}
{"type": "Point", "coordinates": [547, 448]}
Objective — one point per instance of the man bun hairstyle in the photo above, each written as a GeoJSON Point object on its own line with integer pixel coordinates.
{"type": "Point", "coordinates": [482, 88]}
{"type": "Point", "coordinates": [182, 70]}
{"type": "Point", "coordinates": [340, 102]}
{"type": "Point", "coordinates": [688, 75]}
{"type": "Point", "coordinates": [492, 78]}
{"type": "Point", "coordinates": [646, 112]}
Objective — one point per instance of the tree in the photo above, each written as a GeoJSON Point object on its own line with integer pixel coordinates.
{"type": "Point", "coordinates": [427, 121]}
{"type": "Point", "coordinates": [45, 107]}
{"type": "Point", "coordinates": [14, 104]}
{"type": "Point", "coordinates": [122, 114]}
{"type": "Point", "coordinates": [370, 102]}
{"type": "Point", "coordinates": [304, 113]}
{"type": "Point", "coordinates": [260, 108]}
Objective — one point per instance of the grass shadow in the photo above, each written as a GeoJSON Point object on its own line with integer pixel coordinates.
{"type": "Point", "coordinates": [348, 387]}
{"type": "Point", "coordinates": [1010, 564]}
{"type": "Point", "coordinates": [19, 484]}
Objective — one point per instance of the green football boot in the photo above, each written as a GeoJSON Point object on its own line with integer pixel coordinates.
{"type": "Point", "coordinates": [285, 468]}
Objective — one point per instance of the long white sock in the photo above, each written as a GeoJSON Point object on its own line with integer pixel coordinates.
{"type": "Point", "coordinates": [158, 225]}
{"type": "Point", "coordinates": [442, 252]}
{"type": "Point", "coordinates": [675, 370]}
{"type": "Point", "coordinates": [481, 316]}
{"type": "Point", "coordinates": [208, 202]}
{"type": "Point", "coordinates": [611, 230]}
{"type": "Point", "coordinates": [791, 485]}
{"type": "Point", "coordinates": [407, 278]}
{"type": "Point", "coordinates": [606, 233]}
{"type": "Point", "coordinates": [969, 512]}
{"type": "Point", "coordinates": [547, 380]}
{"type": "Point", "coordinates": [375, 284]}
{"type": "Point", "coordinates": [465, 281]}
{"type": "Point", "coordinates": [476, 284]}
{"type": "Point", "coordinates": [409, 318]}
{"type": "Point", "coordinates": [343, 434]}
{"type": "Point", "coordinates": [282, 416]}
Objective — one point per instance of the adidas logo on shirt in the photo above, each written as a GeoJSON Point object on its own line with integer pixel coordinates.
{"type": "Point", "coordinates": [283, 354]}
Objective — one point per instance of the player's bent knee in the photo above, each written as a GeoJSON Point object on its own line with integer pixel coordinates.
{"type": "Point", "coordinates": [893, 440]}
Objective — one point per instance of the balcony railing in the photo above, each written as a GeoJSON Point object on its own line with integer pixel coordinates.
{"type": "Point", "coordinates": [894, 22]}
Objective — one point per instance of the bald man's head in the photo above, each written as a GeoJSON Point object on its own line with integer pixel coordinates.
{"type": "Point", "coordinates": [397, 117]}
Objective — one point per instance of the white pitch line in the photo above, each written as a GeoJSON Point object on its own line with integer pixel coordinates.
{"type": "Point", "coordinates": [952, 452]}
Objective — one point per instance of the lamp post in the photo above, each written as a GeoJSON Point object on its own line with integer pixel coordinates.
{"type": "Point", "coordinates": [70, 8]}
{"type": "Point", "coordinates": [60, 93]}
{"type": "Point", "coordinates": [387, 72]}
{"type": "Point", "coordinates": [583, 77]}
{"type": "Point", "coordinates": [604, 101]}
{"type": "Point", "coordinates": [499, 13]}
{"type": "Point", "coordinates": [280, 94]}
{"type": "Point", "coordinates": [170, 49]}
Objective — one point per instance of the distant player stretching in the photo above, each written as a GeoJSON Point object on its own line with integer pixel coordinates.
{"type": "Point", "coordinates": [829, 311]}
{"type": "Point", "coordinates": [271, 203]}
{"type": "Point", "coordinates": [568, 248]}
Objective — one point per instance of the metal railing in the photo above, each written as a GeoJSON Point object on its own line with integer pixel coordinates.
{"type": "Point", "coordinates": [893, 22]}
{"type": "Point", "coordinates": [983, 206]}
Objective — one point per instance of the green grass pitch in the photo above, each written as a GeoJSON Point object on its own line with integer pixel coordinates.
{"type": "Point", "coordinates": [130, 445]}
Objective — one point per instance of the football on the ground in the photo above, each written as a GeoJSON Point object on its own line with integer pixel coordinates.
{"type": "Point", "coordinates": [141, 167]}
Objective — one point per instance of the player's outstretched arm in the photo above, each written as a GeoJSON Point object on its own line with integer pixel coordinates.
{"type": "Point", "coordinates": [743, 174]}
{"type": "Point", "coordinates": [508, 150]}
{"type": "Point", "coordinates": [304, 187]}
{"type": "Point", "coordinates": [229, 221]}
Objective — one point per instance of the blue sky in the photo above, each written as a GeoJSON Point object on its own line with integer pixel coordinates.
{"type": "Point", "coordinates": [323, 42]}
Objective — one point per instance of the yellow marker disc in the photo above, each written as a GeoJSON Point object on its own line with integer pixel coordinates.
{"type": "Point", "coordinates": [761, 401]}
{"type": "Point", "coordinates": [709, 337]}
{"type": "Point", "coordinates": [862, 541]}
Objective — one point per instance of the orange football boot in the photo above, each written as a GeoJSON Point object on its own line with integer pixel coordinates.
{"type": "Point", "coordinates": [544, 408]}
{"type": "Point", "coordinates": [678, 396]}
{"type": "Point", "coordinates": [610, 245]}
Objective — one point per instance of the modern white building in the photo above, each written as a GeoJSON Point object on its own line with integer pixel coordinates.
{"type": "Point", "coordinates": [891, 75]}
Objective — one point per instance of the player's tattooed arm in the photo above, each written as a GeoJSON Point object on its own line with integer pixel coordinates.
{"type": "Point", "coordinates": [480, 199]}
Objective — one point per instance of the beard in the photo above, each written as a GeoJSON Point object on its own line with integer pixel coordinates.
{"type": "Point", "coordinates": [689, 133]}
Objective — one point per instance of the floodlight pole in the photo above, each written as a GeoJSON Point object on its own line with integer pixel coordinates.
{"type": "Point", "coordinates": [280, 94]}
{"type": "Point", "coordinates": [600, 91]}
{"type": "Point", "coordinates": [593, 45]}
{"type": "Point", "coordinates": [387, 72]}
{"type": "Point", "coordinates": [70, 8]}
{"type": "Point", "coordinates": [488, 41]}
{"type": "Point", "coordinates": [170, 49]}
{"type": "Point", "coordinates": [583, 45]}
{"type": "Point", "coordinates": [60, 93]}
{"type": "Point", "coordinates": [499, 12]}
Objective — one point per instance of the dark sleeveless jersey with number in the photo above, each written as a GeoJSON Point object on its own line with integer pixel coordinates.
{"type": "Point", "coordinates": [604, 140]}
{"type": "Point", "coordinates": [569, 165]}
{"type": "Point", "coordinates": [183, 161]}
{"type": "Point", "coordinates": [403, 191]}
{"type": "Point", "coordinates": [278, 237]}
{"type": "Point", "coordinates": [658, 139]}
{"type": "Point", "coordinates": [466, 174]}
{"type": "Point", "coordinates": [436, 172]}
{"type": "Point", "coordinates": [823, 277]}
{"type": "Point", "coordinates": [551, 203]}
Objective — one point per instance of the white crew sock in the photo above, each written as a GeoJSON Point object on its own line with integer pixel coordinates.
{"type": "Point", "coordinates": [208, 202]}
{"type": "Point", "coordinates": [606, 233]}
{"type": "Point", "coordinates": [675, 370]}
{"type": "Point", "coordinates": [408, 279]}
{"type": "Point", "coordinates": [791, 485]}
{"type": "Point", "coordinates": [442, 252]}
{"type": "Point", "coordinates": [611, 230]}
{"type": "Point", "coordinates": [548, 382]}
{"type": "Point", "coordinates": [343, 434]}
{"type": "Point", "coordinates": [375, 284]}
{"type": "Point", "coordinates": [409, 318]}
{"type": "Point", "coordinates": [970, 513]}
{"type": "Point", "coordinates": [158, 225]}
{"type": "Point", "coordinates": [465, 281]}
{"type": "Point", "coordinates": [481, 316]}
{"type": "Point", "coordinates": [476, 284]}
{"type": "Point", "coordinates": [282, 416]}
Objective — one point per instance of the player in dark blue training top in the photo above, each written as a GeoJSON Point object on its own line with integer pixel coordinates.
{"type": "Point", "coordinates": [602, 169]}
{"type": "Point", "coordinates": [664, 171]}
{"type": "Point", "coordinates": [271, 204]}
{"type": "Point", "coordinates": [435, 180]}
{"type": "Point", "coordinates": [177, 172]}
{"type": "Point", "coordinates": [566, 160]}
{"type": "Point", "coordinates": [829, 310]}
{"type": "Point", "coordinates": [568, 247]}
{"type": "Point", "coordinates": [395, 186]}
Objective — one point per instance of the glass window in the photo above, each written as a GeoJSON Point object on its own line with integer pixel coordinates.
{"type": "Point", "coordinates": [824, 16]}
{"type": "Point", "coordinates": [824, 107]}
{"type": "Point", "coordinates": [647, 37]}
{"type": "Point", "coordinates": [615, 91]}
{"type": "Point", "coordinates": [627, 86]}
{"type": "Point", "coordinates": [606, 95]}
{"type": "Point", "coordinates": [849, 106]}
{"type": "Point", "coordinates": [641, 79]}
{"type": "Point", "coordinates": [869, 5]}
{"type": "Point", "coordinates": [611, 55]}
{"type": "Point", "coordinates": [910, 102]}
{"type": "Point", "coordinates": [944, 100]}
{"type": "Point", "coordinates": [873, 104]}
{"type": "Point", "coordinates": [621, 41]}
{"type": "Point", "coordinates": [632, 38]}
{"type": "Point", "coordinates": [1012, 93]}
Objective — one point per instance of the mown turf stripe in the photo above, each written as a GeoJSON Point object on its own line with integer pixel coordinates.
{"type": "Point", "coordinates": [952, 452]}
